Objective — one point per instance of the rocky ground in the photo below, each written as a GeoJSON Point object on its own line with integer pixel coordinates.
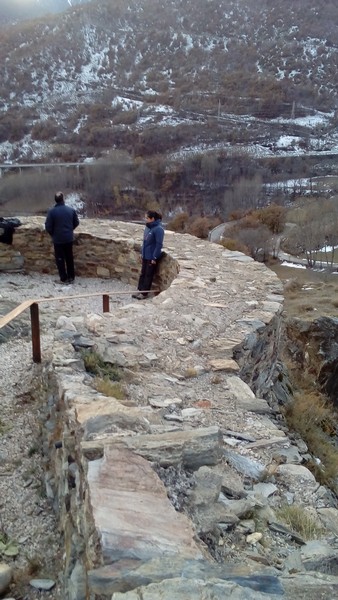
{"type": "Point", "coordinates": [261, 472]}
{"type": "Point", "coordinates": [28, 528]}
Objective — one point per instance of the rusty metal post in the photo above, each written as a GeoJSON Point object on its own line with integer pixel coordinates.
{"type": "Point", "coordinates": [35, 324]}
{"type": "Point", "coordinates": [105, 303]}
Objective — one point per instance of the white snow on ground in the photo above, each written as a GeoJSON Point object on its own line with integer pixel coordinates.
{"type": "Point", "coordinates": [75, 201]}
{"type": "Point", "coordinates": [304, 185]}
{"type": "Point", "coordinates": [166, 116]}
{"type": "Point", "coordinates": [327, 248]}
{"type": "Point", "coordinates": [166, 121]}
{"type": "Point", "coordinates": [126, 103]}
{"type": "Point", "coordinates": [27, 148]}
{"type": "Point", "coordinates": [285, 141]}
{"type": "Point", "coordinates": [319, 118]}
{"type": "Point", "coordinates": [291, 264]}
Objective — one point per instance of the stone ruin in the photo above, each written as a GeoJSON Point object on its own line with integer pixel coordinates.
{"type": "Point", "coordinates": [159, 494]}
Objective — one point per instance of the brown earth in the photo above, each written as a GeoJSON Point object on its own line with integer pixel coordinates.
{"type": "Point", "coordinates": [308, 294]}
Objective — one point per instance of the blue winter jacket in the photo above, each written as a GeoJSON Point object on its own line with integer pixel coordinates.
{"type": "Point", "coordinates": [60, 223]}
{"type": "Point", "coordinates": [153, 240]}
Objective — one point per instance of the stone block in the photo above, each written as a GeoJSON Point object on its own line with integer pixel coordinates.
{"type": "Point", "coordinates": [132, 512]}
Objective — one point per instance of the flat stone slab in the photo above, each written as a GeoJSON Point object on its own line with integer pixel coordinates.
{"type": "Point", "coordinates": [312, 586]}
{"type": "Point", "coordinates": [42, 584]}
{"type": "Point", "coordinates": [245, 398]}
{"type": "Point", "coordinates": [180, 589]}
{"type": "Point", "coordinates": [225, 364]}
{"type": "Point", "coordinates": [193, 448]}
{"type": "Point", "coordinates": [127, 575]}
{"type": "Point", "coordinates": [132, 512]}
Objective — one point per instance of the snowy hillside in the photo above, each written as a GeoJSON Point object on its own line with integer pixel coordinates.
{"type": "Point", "coordinates": [152, 76]}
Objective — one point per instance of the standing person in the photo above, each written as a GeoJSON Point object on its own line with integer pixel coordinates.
{"type": "Point", "coordinates": [151, 252]}
{"type": "Point", "coordinates": [60, 223]}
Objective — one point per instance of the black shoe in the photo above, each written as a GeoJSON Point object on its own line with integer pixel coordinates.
{"type": "Point", "coordinates": [137, 296]}
{"type": "Point", "coordinates": [70, 281]}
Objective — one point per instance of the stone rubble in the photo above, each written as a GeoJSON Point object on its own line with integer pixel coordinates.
{"type": "Point", "coordinates": [26, 514]}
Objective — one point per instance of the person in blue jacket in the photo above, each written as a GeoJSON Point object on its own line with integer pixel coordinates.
{"type": "Point", "coordinates": [151, 252]}
{"type": "Point", "coordinates": [60, 224]}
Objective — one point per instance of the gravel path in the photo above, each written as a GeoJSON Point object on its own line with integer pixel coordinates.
{"type": "Point", "coordinates": [26, 517]}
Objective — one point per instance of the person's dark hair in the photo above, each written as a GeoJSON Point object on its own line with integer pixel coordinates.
{"type": "Point", "coordinates": [59, 197]}
{"type": "Point", "coordinates": [153, 214]}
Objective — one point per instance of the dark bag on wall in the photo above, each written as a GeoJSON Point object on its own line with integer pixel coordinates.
{"type": "Point", "coordinates": [7, 227]}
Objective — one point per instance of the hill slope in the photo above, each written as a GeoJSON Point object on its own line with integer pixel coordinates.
{"type": "Point", "coordinates": [283, 50]}
{"type": "Point", "coordinates": [156, 77]}
{"type": "Point", "coordinates": [18, 10]}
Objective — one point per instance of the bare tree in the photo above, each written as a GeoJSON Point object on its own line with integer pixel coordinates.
{"type": "Point", "coordinates": [329, 229]}
{"type": "Point", "coordinates": [244, 195]}
{"type": "Point", "coordinates": [258, 240]}
{"type": "Point", "coordinates": [316, 228]}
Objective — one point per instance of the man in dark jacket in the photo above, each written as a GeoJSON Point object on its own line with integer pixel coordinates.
{"type": "Point", "coordinates": [151, 252]}
{"type": "Point", "coordinates": [60, 223]}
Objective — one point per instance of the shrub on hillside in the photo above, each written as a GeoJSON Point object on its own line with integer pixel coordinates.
{"type": "Point", "coordinates": [257, 239]}
{"type": "Point", "coordinates": [179, 222]}
{"type": "Point", "coordinates": [250, 234]}
{"type": "Point", "coordinates": [12, 127]}
{"type": "Point", "coordinates": [272, 216]}
{"type": "Point", "coordinates": [235, 215]}
{"type": "Point", "coordinates": [197, 226]}
{"type": "Point", "coordinates": [312, 416]}
{"type": "Point", "coordinates": [127, 117]}
{"type": "Point", "coordinates": [200, 227]}
{"type": "Point", "coordinates": [44, 130]}
{"type": "Point", "coordinates": [234, 245]}
{"type": "Point", "coordinates": [249, 221]}
{"type": "Point", "coordinates": [298, 519]}
{"type": "Point", "coordinates": [100, 137]}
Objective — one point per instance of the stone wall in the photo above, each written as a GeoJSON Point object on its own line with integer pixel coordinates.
{"type": "Point", "coordinates": [10, 259]}
{"type": "Point", "coordinates": [102, 249]}
{"type": "Point", "coordinates": [197, 363]}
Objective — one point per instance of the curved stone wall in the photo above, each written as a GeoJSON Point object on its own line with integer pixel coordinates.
{"type": "Point", "coordinates": [194, 272]}
{"type": "Point", "coordinates": [187, 355]}
{"type": "Point", "coordinates": [105, 249]}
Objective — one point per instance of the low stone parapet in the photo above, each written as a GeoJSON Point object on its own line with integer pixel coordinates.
{"type": "Point", "coordinates": [137, 482]}
{"type": "Point", "coordinates": [11, 260]}
{"type": "Point", "coordinates": [102, 248]}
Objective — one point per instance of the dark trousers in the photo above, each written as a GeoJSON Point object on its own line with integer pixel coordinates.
{"type": "Point", "coordinates": [147, 275]}
{"type": "Point", "coordinates": [64, 260]}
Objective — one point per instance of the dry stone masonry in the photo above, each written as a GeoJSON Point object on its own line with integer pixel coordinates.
{"type": "Point", "coordinates": [173, 491]}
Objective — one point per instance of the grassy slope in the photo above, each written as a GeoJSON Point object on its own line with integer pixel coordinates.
{"type": "Point", "coordinates": [308, 294]}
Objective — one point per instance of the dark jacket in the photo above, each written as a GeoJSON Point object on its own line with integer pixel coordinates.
{"type": "Point", "coordinates": [60, 223]}
{"type": "Point", "coordinates": [153, 240]}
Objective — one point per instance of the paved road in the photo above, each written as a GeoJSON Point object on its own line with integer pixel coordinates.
{"type": "Point", "coordinates": [216, 234]}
